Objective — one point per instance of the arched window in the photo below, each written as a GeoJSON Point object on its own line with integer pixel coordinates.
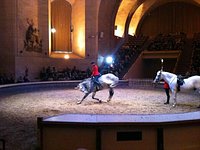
{"type": "Point", "coordinates": [61, 26]}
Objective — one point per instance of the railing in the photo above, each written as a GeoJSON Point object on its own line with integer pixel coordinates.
{"type": "Point", "coordinates": [161, 54]}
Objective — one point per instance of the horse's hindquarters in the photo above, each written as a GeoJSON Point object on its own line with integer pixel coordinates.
{"type": "Point", "coordinates": [109, 79]}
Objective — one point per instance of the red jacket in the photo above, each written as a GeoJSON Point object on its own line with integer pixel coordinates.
{"type": "Point", "coordinates": [166, 85]}
{"type": "Point", "coordinates": [95, 70]}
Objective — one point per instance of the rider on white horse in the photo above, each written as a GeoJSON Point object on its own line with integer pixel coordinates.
{"type": "Point", "coordinates": [95, 75]}
{"type": "Point", "coordinates": [108, 80]}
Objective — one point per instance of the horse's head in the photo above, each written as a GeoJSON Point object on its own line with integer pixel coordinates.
{"type": "Point", "coordinates": [158, 77]}
{"type": "Point", "coordinates": [84, 86]}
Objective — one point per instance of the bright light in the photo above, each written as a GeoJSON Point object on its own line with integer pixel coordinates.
{"type": "Point", "coordinates": [66, 56]}
{"type": "Point", "coordinates": [109, 60]}
{"type": "Point", "coordinates": [53, 30]}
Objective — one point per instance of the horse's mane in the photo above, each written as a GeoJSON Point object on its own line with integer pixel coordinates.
{"type": "Point", "coordinates": [87, 79]}
{"type": "Point", "coordinates": [169, 73]}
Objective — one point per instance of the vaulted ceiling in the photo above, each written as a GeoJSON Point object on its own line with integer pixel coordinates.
{"type": "Point", "coordinates": [131, 12]}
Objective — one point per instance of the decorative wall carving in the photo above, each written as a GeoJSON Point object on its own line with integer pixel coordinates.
{"type": "Point", "coordinates": [32, 41]}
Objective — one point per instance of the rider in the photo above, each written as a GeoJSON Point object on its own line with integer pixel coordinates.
{"type": "Point", "coordinates": [95, 75]}
{"type": "Point", "coordinates": [166, 87]}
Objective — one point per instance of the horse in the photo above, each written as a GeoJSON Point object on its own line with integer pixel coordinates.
{"type": "Point", "coordinates": [191, 83]}
{"type": "Point", "coordinates": [108, 80]}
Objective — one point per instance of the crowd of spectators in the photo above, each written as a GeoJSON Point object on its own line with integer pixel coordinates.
{"type": "Point", "coordinates": [195, 66]}
{"type": "Point", "coordinates": [4, 79]}
{"type": "Point", "coordinates": [48, 74]}
{"type": "Point", "coordinates": [10, 79]}
{"type": "Point", "coordinates": [168, 42]}
{"type": "Point", "coordinates": [52, 74]}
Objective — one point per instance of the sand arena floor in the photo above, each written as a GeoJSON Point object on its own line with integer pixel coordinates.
{"type": "Point", "coordinates": [19, 111]}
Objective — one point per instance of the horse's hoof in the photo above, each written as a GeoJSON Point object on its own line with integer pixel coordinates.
{"type": "Point", "coordinates": [100, 101]}
{"type": "Point", "coordinates": [108, 100]}
{"type": "Point", "coordinates": [79, 102]}
{"type": "Point", "coordinates": [174, 105]}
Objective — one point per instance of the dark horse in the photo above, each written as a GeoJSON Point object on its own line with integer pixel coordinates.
{"type": "Point", "coordinates": [107, 80]}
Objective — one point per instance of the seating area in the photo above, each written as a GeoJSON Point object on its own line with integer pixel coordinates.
{"type": "Point", "coordinates": [52, 74]}
{"type": "Point", "coordinates": [168, 42]}
{"type": "Point", "coordinates": [126, 55]}
{"type": "Point", "coordinates": [195, 66]}
{"type": "Point", "coordinates": [4, 79]}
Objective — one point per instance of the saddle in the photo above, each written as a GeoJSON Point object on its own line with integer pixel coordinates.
{"type": "Point", "coordinates": [180, 81]}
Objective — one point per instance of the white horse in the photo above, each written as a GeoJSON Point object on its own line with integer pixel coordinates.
{"type": "Point", "coordinates": [107, 80]}
{"type": "Point", "coordinates": [191, 83]}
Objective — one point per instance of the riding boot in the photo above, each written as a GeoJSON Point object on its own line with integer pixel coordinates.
{"type": "Point", "coordinates": [178, 88]}
{"type": "Point", "coordinates": [98, 85]}
{"type": "Point", "coordinates": [167, 102]}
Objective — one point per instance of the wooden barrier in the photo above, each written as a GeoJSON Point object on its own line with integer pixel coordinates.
{"type": "Point", "coordinates": [117, 132]}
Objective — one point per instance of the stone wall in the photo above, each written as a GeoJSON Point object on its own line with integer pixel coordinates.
{"type": "Point", "coordinates": [35, 61]}
{"type": "Point", "coordinates": [7, 36]}
{"type": "Point", "coordinates": [21, 15]}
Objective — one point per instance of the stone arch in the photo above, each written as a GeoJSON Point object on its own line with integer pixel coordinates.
{"type": "Point", "coordinates": [177, 22]}
{"type": "Point", "coordinates": [145, 7]}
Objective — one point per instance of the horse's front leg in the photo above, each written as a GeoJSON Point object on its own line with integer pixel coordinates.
{"type": "Point", "coordinates": [86, 94]}
{"type": "Point", "coordinates": [174, 97]}
{"type": "Point", "coordinates": [93, 96]}
{"type": "Point", "coordinates": [199, 93]}
{"type": "Point", "coordinates": [111, 93]}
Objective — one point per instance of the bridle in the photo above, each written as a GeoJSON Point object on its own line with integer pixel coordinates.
{"type": "Point", "coordinates": [159, 76]}
{"type": "Point", "coordinates": [160, 73]}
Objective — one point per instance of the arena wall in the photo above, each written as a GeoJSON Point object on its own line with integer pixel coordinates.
{"type": "Point", "coordinates": [116, 132]}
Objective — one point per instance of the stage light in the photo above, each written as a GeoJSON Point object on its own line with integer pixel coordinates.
{"type": "Point", "coordinates": [109, 60]}
{"type": "Point", "coordinates": [66, 56]}
{"type": "Point", "coordinates": [53, 30]}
